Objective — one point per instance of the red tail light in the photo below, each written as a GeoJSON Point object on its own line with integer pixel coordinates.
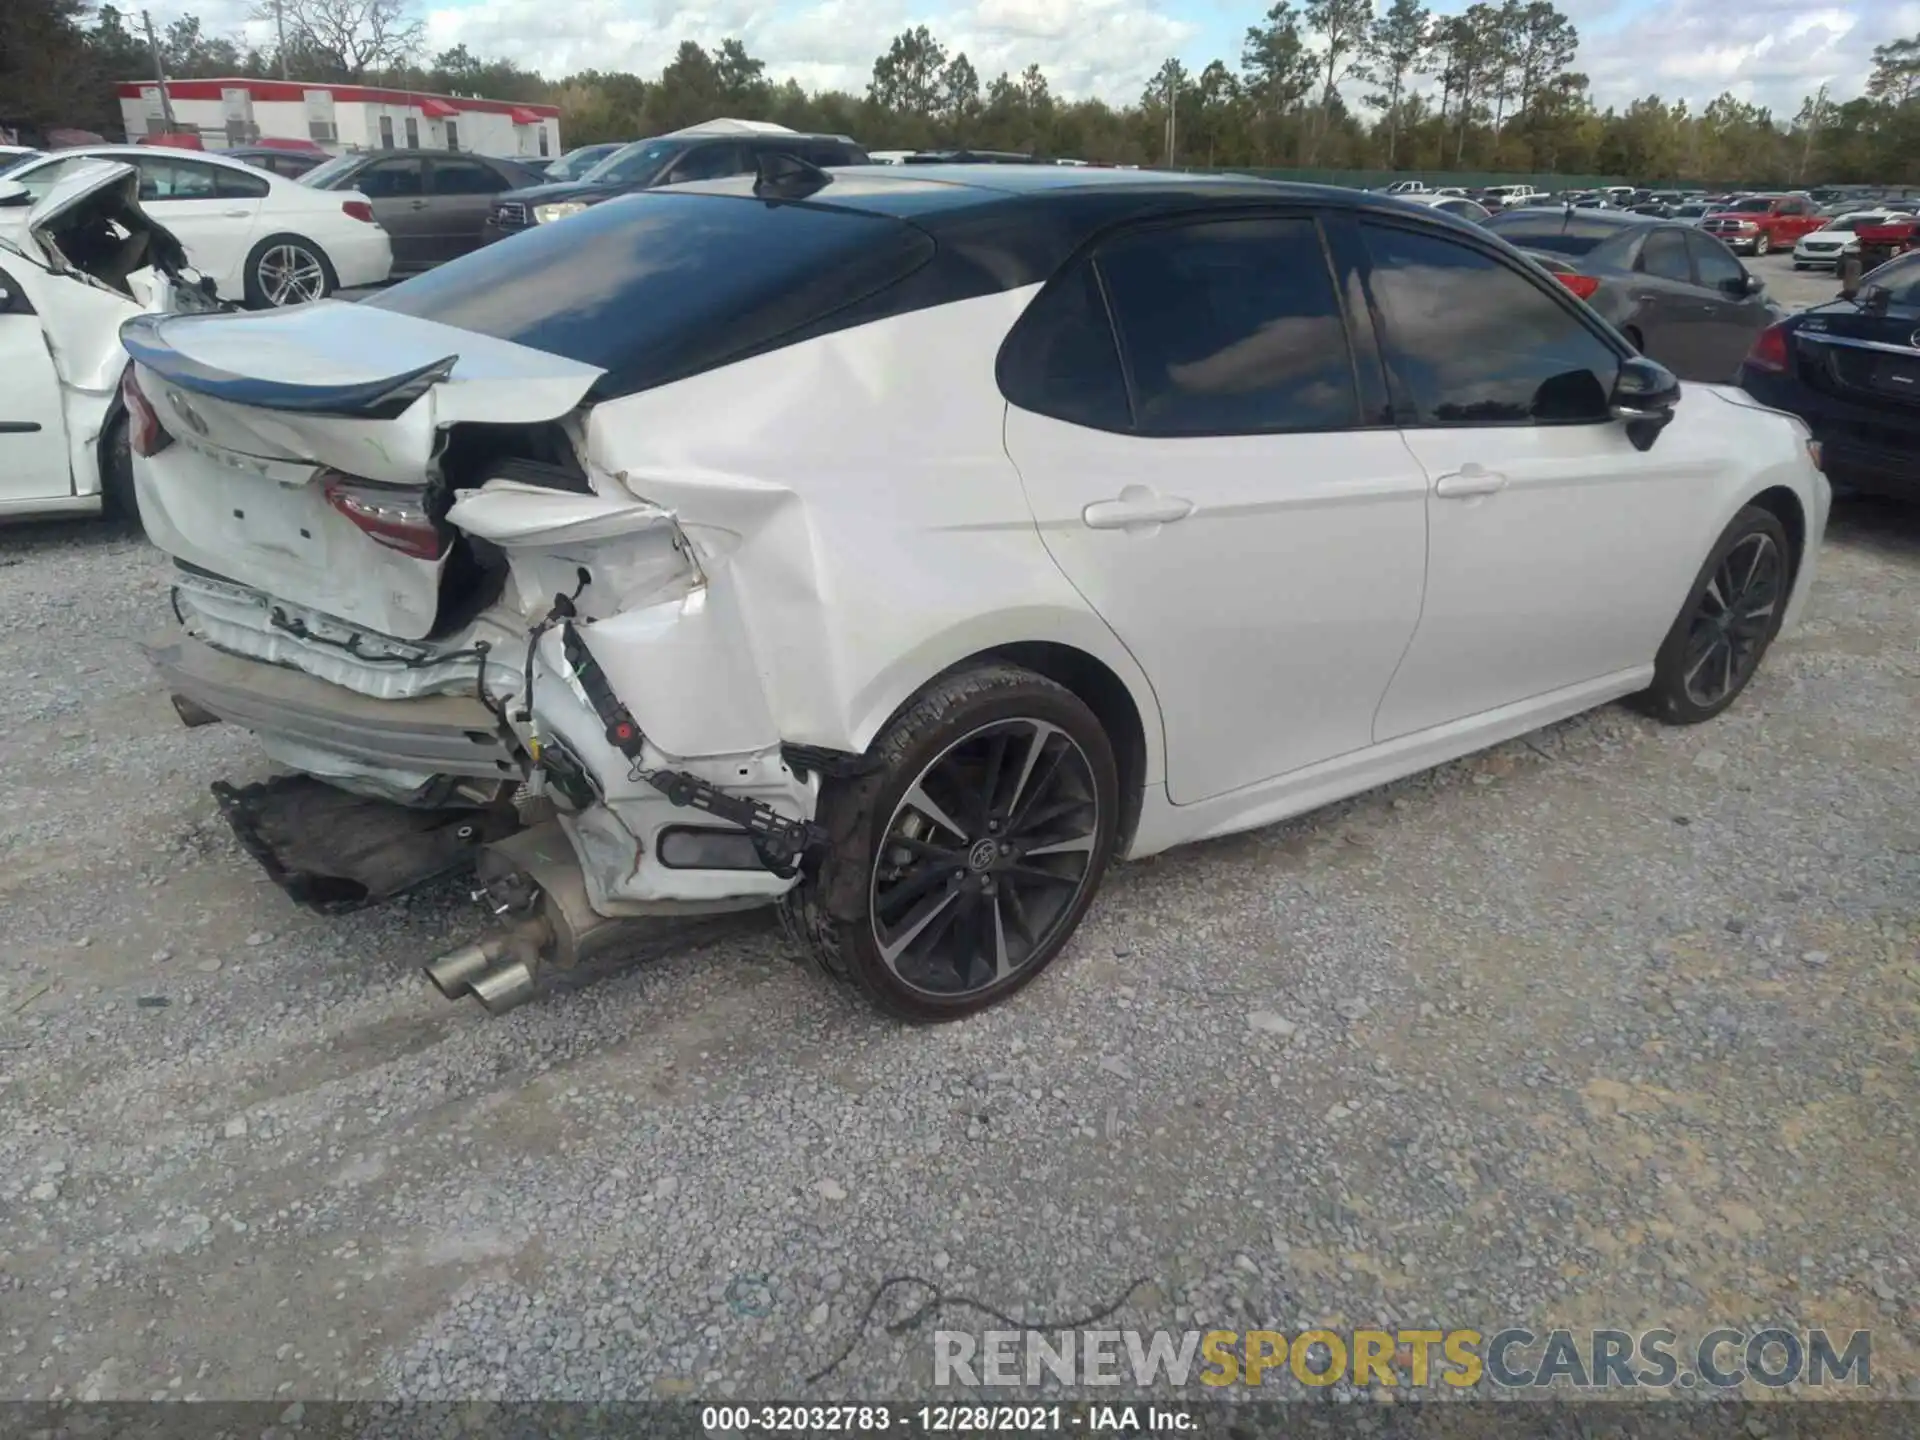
{"type": "Point", "coordinates": [392, 515]}
{"type": "Point", "coordinates": [1581, 285]}
{"type": "Point", "coordinates": [1769, 352]}
{"type": "Point", "coordinates": [357, 210]}
{"type": "Point", "coordinates": [145, 433]}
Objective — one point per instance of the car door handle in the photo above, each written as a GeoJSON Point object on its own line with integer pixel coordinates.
{"type": "Point", "coordinates": [1136, 508]}
{"type": "Point", "coordinates": [418, 205]}
{"type": "Point", "coordinates": [236, 214]}
{"type": "Point", "coordinates": [1468, 481]}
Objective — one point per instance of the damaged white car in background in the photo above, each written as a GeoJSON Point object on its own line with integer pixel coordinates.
{"type": "Point", "coordinates": [85, 260]}
{"type": "Point", "coordinates": [905, 548]}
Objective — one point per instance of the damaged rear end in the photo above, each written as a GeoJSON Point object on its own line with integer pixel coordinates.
{"type": "Point", "coordinates": [393, 567]}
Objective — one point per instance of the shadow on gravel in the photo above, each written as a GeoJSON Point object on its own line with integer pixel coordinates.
{"type": "Point", "coordinates": [26, 538]}
{"type": "Point", "coordinates": [1886, 527]}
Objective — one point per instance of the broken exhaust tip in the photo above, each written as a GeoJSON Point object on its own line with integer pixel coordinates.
{"type": "Point", "coordinates": [453, 973]}
{"type": "Point", "coordinates": [500, 990]}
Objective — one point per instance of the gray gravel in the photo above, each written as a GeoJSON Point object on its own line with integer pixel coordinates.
{"type": "Point", "coordinates": [1614, 1024]}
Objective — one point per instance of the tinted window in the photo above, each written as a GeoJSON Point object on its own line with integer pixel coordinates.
{"type": "Point", "coordinates": [391, 179]}
{"type": "Point", "coordinates": [238, 185]}
{"type": "Point", "coordinates": [1060, 359]}
{"type": "Point", "coordinates": [1750, 207]}
{"type": "Point", "coordinates": [635, 164]}
{"type": "Point", "coordinates": [656, 286]}
{"type": "Point", "coordinates": [466, 177]}
{"type": "Point", "coordinates": [1230, 327]}
{"type": "Point", "coordinates": [1713, 261]}
{"type": "Point", "coordinates": [1552, 230]}
{"type": "Point", "coordinates": [1475, 343]}
{"type": "Point", "coordinates": [1899, 278]}
{"type": "Point", "coordinates": [323, 175]}
{"type": "Point", "coordinates": [1665, 254]}
{"type": "Point", "coordinates": [167, 179]}
{"type": "Point", "coordinates": [709, 162]}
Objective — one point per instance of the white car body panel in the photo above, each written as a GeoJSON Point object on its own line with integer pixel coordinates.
{"type": "Point", "coordinates": [1277, 524]}
{"type": "Point", "coordinates": [62, 360]}
{"type": "Point", "coordinates": [220, 232]}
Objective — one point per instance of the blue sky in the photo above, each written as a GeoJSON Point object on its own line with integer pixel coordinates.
{"type": "Point", "coordinates": [1773, 52]}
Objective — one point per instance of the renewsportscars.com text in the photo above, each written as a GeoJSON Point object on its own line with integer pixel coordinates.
{"type": "Point", "coordinates": [1512, 1358]}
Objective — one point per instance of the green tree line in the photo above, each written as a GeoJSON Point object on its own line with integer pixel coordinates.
{"type": "Point", "coordinates": [1317, 84]}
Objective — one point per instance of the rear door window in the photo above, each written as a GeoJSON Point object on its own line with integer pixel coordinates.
{"type": "Point", "coordinates": [1061, 359]}
{"type": "Point", "coordinates": [164, 178]}
{"type": "Point", "coordinates": [1664, 255]}
{"type": "Point", "coordinates": [466, 177]}
{"type": "Point", "coordinates": [1230, 327]}
{"type": "Point", "coordinates": [1713, 262]}
{"type": "Point", "coordinates": [1472, 341]}
{"type": "Point", "coordinates": [391, 180]}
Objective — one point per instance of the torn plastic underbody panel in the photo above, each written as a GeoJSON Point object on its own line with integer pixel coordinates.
{"type": "Point", "coordinates": [335, 852]}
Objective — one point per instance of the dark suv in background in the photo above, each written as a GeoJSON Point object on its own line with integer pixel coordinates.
{"type": "Point", "coordinates": [702, 152]}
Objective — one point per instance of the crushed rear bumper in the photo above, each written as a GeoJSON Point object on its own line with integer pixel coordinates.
{"type": "Point", "coordinates": [294, 713]}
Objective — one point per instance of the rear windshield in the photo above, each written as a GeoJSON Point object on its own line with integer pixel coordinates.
{"type": "Point", "coordinates": [1551, 230]}
{"type": "Point", "coordinates": [1750, 207]}
{"type": "Point", "coordinates": [663, 284]}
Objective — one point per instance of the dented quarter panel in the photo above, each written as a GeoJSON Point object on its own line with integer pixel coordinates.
{"type": "Point", "coordinates": [848, 585]}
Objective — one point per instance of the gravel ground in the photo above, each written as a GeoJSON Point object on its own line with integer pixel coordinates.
{"type": "Point", "coordinates": [1614, 1025]}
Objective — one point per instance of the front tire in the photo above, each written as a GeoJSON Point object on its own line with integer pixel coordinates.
{"type": "Point", "coordinates": [1761, 245]}
{"type": "Point", "coordinates": [963, 860]}
{"type": "Point", "coordinates": [288, 270]}
{"type": "Point", "coordinates": [1732, 613]}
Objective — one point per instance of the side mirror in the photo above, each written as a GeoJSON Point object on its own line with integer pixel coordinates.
{"type": "Point", "coordinates": [1644, 395]}
{"type": "Point", "coordinates": [1753, 285]}
{"type": "Point", "coordinates": [12, 193]}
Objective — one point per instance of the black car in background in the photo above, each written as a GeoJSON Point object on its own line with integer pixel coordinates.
{"type": "Point", "coordinates": [1851, 370]}
{"type": "Point", "coordinates": [432, 202]}
{"type": "Point", "coordinates": [1675, 292]}
{"type": "Point", "coordinates": [703, 152]}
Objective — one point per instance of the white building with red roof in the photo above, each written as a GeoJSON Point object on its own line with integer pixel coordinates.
{"type": "Point", "coordinates": [341, 118]}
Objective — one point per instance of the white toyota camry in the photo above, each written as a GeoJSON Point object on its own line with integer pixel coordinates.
{"type": "Point", "coordinates": [264, 239]}
{"type": "Point", "coordinates": [906, 545]}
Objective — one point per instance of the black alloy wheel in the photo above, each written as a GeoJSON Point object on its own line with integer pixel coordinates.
{"type": "Point", "coordinates": [1730, 617]}
{"type": "Point", "coordinates": [983, 858]}
{"type": "Point", "coordinates": [1734, 618]}
{"type": "Point", "coordinates": [965, 848]}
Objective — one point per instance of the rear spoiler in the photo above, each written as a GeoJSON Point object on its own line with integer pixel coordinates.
{"type": "Point", "coordinates": [381, 399]}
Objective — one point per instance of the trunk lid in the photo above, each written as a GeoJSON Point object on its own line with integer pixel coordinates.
{"type": "Point", "coordinates": [83, 199]}
{"type": "Point", "coordinates": [304, 447]}
{"type": "Point", "coordinates": [1866, 354]}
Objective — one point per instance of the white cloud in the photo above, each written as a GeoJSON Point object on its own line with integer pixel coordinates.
{"type": "Point", "coordinates": [1770, 52]}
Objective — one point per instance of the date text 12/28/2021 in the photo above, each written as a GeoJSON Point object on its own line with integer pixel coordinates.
{"type": "Point", "coordinates": [939, 1419]}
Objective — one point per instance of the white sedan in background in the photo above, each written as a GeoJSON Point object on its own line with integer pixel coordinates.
{"type": "Point", "coordinates": [265, 240]}
{"type": "Point", "coordinates": [1835, 240]}
{"type": "Point", "coordinates": [80, 262]}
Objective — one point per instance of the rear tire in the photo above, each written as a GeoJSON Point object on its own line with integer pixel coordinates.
{"type": "Point", "coordinates": [118, 502]}
{"type": "Point", "coordinates": [288, 270]}
{"type": "Point", "coordinates": [961, 863]}
{"type": "Point", "coordinates": [1732, 613]}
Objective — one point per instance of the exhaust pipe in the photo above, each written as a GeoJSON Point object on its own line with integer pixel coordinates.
{"type": "Point", "coordinates": [500, 990]}
{"type": "Point", "coordinates": [453, 973]}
